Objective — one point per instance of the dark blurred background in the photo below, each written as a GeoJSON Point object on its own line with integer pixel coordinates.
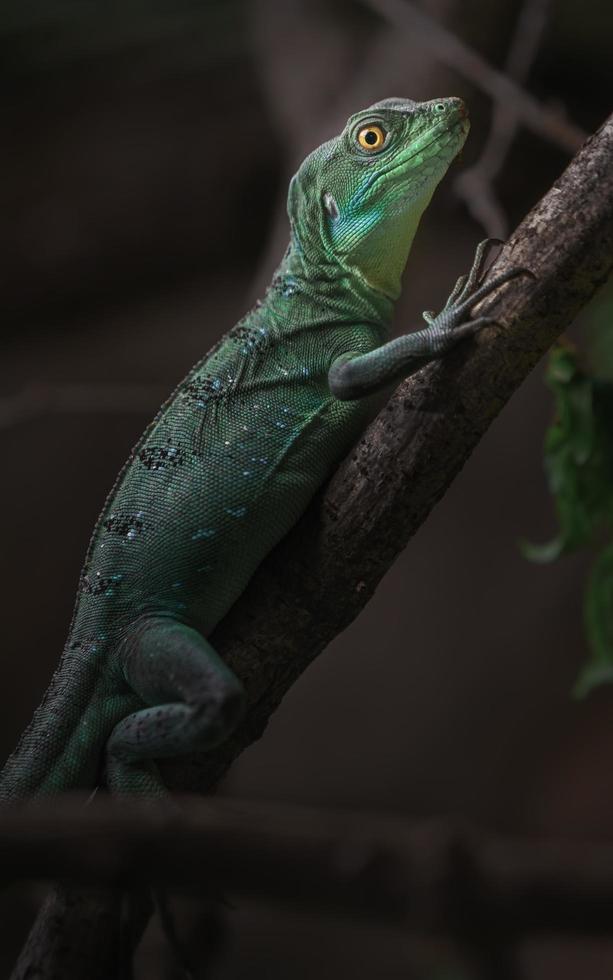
{"type": "Point", "coordinates": [146, 154]}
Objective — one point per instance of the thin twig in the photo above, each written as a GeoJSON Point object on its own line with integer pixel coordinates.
{"type": "Point", "coordinates": [453, 52]}
{"type": "Point", "coordinates": [475, 185]}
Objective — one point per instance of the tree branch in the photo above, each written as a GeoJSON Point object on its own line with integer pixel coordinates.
{"type": "Point", "coordinates": [433, 876]}
{"type": "Point", "coordinates": [318, 579]}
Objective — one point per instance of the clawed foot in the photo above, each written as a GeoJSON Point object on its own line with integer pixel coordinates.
{"type": "Point", "coordinates": [451, 323]}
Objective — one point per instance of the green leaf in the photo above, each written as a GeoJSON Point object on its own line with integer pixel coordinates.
{"type": "Point", "coordinates": [591, 676]}
{"type": "Point", "coordinates": [542, 553]}
{"type": "Point", "coordinates": [578, 459]}
{"type": "Point", "coordinates": [598, 615]}
{"type": "Point", "coordinates": [599, 316]}
{"type": "Point", "coordinates": [578, 456]}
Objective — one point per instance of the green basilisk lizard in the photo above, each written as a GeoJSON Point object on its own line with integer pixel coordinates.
{"type": "Point", "coordinates": [235, 455]}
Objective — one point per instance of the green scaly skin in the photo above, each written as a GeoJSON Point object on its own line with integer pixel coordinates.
{"type": "Point", "coordinates": [235, 455]}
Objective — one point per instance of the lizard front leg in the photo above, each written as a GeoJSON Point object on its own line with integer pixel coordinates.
{"type": "Point", "coordinates": [193, 701]}
{"type": "Point", "coordinates": [355, 375]}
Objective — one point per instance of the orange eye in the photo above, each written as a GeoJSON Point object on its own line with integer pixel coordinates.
{"type": "Point", "coordinates": [371, 138]}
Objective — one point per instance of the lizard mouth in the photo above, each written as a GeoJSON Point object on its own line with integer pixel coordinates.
{"type": "Point", "coordinates": [457, 127]}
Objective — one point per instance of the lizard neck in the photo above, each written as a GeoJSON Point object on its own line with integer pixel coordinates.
{"type": "Point", "coordinates": [327, 292]}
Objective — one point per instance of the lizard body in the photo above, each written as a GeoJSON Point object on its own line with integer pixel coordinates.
{"type": "Point", "coordinates": [235, 455]}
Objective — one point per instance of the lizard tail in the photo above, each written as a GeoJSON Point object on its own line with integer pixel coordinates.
{"type": "Point", "coordinates": [63, 746]}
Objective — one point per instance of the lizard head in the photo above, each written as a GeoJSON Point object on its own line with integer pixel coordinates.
{"type": "Point", "coordinates": [356, 201]}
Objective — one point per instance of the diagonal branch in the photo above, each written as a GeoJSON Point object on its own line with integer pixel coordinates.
{"type": "Point", "coordinates": [319, 578]}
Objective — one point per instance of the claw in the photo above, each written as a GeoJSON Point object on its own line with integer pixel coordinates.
{"type": "Point", "coordinates": [450, 324]}
{"type": "Point", "coordinates": [486, 321]}
{"type": "Point", "coordinates": [461, 293]}
{"type": "Point", "coordinates": [519, 270]}
{"type": "Point", "coordinates": [471, 327]}
{"type": "Point", "coordinates": [455, 292]}
{"type": "Point", "coordinates": [465, 305]}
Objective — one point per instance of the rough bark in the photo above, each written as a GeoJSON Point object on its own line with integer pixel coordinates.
{"type": "Point", "coordinates": [320, 577]}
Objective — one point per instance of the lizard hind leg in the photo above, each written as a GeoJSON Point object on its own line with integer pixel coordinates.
{"type": "Point", "coordinates": [192, 701]}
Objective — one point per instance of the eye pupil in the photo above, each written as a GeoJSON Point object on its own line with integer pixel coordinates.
{"type": "Point", "coordinates": [371, 137]}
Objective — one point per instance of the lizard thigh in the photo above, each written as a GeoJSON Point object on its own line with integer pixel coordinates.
{"type": "Point", "coordinates": [193, 699]}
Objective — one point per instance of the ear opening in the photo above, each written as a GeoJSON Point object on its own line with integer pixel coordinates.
{"type": "Point", "coordinates": [331, 206]}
